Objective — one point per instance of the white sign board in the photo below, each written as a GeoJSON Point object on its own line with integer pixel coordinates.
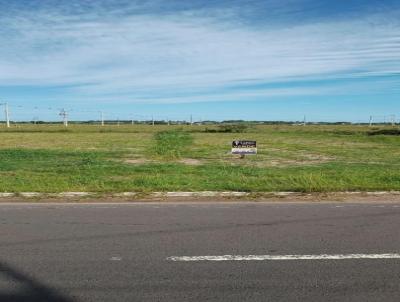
{"type": "Point", "coordinates": [244, 147]}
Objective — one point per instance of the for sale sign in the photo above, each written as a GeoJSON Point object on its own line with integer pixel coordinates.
{"type": "Point", "coordinates": [244, 147]}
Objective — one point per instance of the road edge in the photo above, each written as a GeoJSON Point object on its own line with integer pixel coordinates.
{"type": "Point", "coordinates": [200, 196]}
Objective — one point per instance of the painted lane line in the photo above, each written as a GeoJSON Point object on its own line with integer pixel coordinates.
{"type": "Point", "coordinates": [283, 257]}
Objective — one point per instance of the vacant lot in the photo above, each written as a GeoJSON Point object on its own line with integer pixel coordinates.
{"type": "Point", "coordinates": [144, 158]}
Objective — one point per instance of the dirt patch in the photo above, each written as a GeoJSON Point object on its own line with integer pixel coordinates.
{"type": "Point", "coordinates": [278, 162]}
{"type": "Point", "coordinates": [257, 161]}
{"type": "Point", "coordinates": [190, 161]}
{"type": "Point", "coordinates": [137, 161]}
{"type": "Point", "coordinates": [141, 161]}
{"type": "Point", "coordinates": [307, 160]}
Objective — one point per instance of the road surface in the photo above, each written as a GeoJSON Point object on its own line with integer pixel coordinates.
{"type": "Point", "coordinates": [200, 252]}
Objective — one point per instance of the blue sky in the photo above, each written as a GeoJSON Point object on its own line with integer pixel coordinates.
{"type": "Point", "coordinates": [238, 59]}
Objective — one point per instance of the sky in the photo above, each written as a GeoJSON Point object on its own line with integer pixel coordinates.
{"type": "Point", "coordinates": [212, 59]}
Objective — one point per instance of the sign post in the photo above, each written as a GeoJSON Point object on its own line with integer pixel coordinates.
{"type": "Point", "coordinates": [242, 148]}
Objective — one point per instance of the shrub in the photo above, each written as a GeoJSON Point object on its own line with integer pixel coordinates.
{"type": "Point", "coordinates": [385, 132]}
{"type": "Point", "coordinates": [228, 128]}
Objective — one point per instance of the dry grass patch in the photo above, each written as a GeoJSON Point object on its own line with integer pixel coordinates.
{"type": "Point", "coordinates": [190, 161]}
{"type": "Point", "coordinates": [138, 161]}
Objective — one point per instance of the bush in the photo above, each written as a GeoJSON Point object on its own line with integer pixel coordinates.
{"type": "Point", "coordinates": [385, 132]}
{"type": "Point", "coordinates": [228, 128]}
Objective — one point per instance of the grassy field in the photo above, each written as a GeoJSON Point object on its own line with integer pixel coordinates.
{"type": "Point", "coordinates": [40, 158]}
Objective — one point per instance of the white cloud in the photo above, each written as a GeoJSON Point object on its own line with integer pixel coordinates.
{"type": "Point", "coordinates": [143, 54]}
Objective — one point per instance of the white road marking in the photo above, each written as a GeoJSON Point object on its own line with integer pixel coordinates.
{"type": "Point", "coordinates": [283, 257]}
{"type": "Point", "coordinates": [115, 258]}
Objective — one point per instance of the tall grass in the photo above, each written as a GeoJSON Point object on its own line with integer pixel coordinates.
{"type": "Point", "coordinates": [172, 144]}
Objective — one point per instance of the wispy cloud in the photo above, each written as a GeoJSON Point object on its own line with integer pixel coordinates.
{"type": "Point", "coordinates": [134, 50]}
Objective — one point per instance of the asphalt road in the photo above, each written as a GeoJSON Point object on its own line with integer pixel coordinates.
{"type": "Point", "coordinates": [119, 252]}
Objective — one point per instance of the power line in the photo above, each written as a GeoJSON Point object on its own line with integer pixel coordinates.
{"type": "Point", "coordinates": [64, 115]}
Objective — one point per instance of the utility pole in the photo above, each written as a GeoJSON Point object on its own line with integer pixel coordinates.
{"type": "Point", "coordinates": [64, 115]}
{"type": "Point", "coordinates": [191, 120]}
{"type": "Point", "coordinates": [393, 118]}
{"type": "Point", "coordinates": [152, 120]}
{"type": "Point", "coordinates": [102, 118]}
{"type": "Point", "coordinates": [7, 114]}
{"type": "Point", "coordinates": [370, 120]}
{"type": "Point", "coordinates": [304, 121]}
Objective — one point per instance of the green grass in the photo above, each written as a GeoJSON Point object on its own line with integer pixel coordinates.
{"type": "Point", "coordinates": [187, 158]}
{"type": "Point", "coordinates": [172, 144]}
